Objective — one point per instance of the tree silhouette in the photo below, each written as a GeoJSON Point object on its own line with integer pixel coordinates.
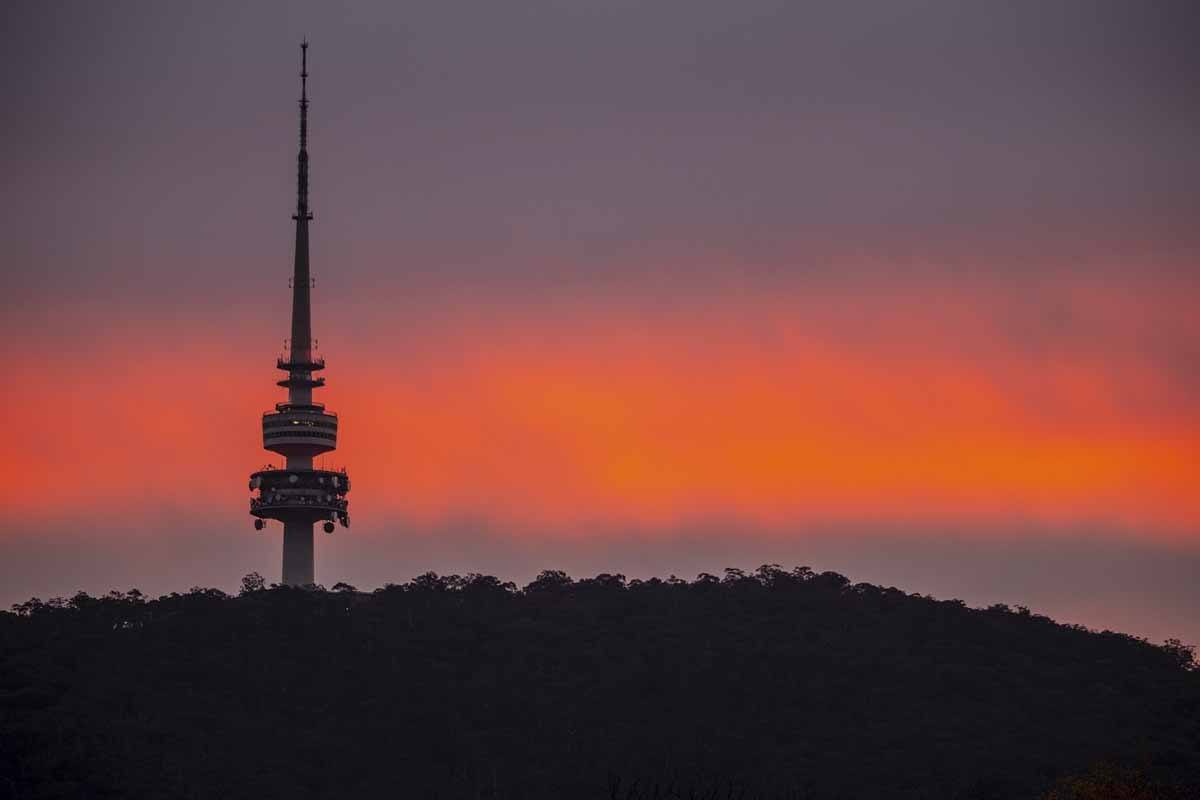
{"type": "Point", "coordinates": [253, 582]}
{"type": "Point", "coordinates": [766, 684]}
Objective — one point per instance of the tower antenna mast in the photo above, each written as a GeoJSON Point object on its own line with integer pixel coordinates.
{"type": "Point", "coordinates": [302, 166]}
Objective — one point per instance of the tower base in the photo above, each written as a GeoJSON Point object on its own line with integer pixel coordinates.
{"type": "Point", "coordinates": [298, 554]}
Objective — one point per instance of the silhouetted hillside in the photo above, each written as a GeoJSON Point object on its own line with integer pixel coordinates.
{"type": "Point", "coordinates": [788, 684]}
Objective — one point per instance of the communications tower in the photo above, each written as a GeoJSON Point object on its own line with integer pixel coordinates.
{"type": "Point", "coordinates": [299, 430]}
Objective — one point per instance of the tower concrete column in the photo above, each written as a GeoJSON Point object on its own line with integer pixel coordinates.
{"type": "Point", "coordinates": [298, 553]}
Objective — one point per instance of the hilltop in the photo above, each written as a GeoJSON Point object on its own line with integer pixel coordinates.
{"type": "Point", "coordinates": [771, 684]}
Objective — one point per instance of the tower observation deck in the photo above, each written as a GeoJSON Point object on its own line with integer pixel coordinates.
{"type": "Point", "coordinates": [299, 430]}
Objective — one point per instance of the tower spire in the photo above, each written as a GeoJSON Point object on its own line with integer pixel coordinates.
{"type": "Point", "coordinates": [302, 178]}
{"type": "Point", "coordinates": [301, 348]}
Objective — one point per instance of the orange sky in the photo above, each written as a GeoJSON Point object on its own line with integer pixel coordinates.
{"type": "Point", "coordinates": [912, 406]}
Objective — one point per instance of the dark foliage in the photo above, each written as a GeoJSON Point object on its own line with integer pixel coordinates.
{"type": "Point", "coordinates": [771, 684]}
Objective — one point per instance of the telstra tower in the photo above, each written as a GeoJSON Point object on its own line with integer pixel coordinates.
{"type": "Point", "coordinates": [300, 429]}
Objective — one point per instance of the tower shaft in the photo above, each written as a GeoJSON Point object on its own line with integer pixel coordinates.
{"type": "Point", "coordinates": [300, 351]}
{"type": "Point", "coordinates": [298, 563]}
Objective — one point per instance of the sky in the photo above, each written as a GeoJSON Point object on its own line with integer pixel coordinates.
{"type": "Point", "coordinates": [903, 290]}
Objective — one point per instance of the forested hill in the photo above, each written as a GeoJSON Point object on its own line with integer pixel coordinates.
{"type": "Point", "coordinates": [771, 684]}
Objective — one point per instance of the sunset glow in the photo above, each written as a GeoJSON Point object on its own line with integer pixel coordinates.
{"type": "Point", "coordinates": [763, 411]}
